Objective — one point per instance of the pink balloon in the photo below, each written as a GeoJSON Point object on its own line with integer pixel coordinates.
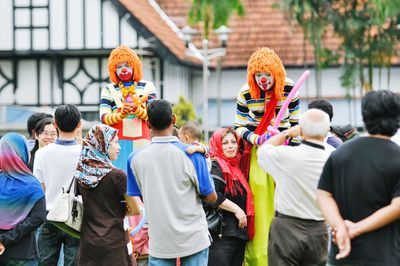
{"type": "Point", "coordinates": [272, 130]}
{"type": "Point", "coordinates": [282, 111]}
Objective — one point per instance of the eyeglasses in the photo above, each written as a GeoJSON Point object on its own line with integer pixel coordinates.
{"type": "Point", "coordinates": [48, 134]}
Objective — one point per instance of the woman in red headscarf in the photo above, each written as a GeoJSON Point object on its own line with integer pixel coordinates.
{"type": "Point", "coordinates": [235, 201]}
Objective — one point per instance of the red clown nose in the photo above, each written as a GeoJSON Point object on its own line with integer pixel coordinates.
{"type": "Point", "coordinates": [263, 80]}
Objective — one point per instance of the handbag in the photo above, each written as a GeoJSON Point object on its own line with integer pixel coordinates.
{"type": "Point", "coordinates": [214, 215]}
{"type": "Point", "coordinates": [67, 213]}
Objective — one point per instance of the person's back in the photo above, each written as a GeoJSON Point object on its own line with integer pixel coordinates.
{"type": "Point", "coordinates": [102, 186]}
{"type": "Point", "coordinates": [359, 189]}
{"type": "Point", "coordinates": [104, 211]}
{"type": "Point", "coordinates": [55, 166]}
{"type": "Point", "coordinates": [298, 227]}
{"type": "Point", "coordinates": [171, 183]}
{"type": "Point", "coordinates": [168, 185]}
{"type": "Point", "coordinates": [367, 172]}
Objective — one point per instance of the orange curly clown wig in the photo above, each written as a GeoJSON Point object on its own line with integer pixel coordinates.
{"type": "Point", "coordinates": [124, 54]}
{"type": "Point", "coordinates": [265, 60]}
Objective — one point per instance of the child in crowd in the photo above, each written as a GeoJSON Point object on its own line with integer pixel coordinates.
{"type": "Point", "coordinates": [190, 133]}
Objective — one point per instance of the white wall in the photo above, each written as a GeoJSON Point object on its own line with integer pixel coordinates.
{"type": "Point", "coordinates": [6, 25]}
{"type": "Point", "coordinates": [62, 24]}
{"type": "Point", "coordinates": [176, 82]}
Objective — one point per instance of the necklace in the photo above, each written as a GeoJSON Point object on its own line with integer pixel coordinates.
{"type": "Point", "coordinates": [131, 90]}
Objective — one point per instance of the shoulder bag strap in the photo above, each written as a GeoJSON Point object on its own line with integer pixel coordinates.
{"type": "Point", "coordinates": [113, 92]}
{"type": "Point", "coordinates": [75, 183]}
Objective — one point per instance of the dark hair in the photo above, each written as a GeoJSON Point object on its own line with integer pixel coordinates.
{"type": "Point", "coordinates": [322, 105]}
{"type": "Point", "coordinates": [160, 114]}
{"type": "Point", "coordinates": [192, 129]}
{"type": "Point", "coordinates": [33, 120]}
{"type": "Point", "coordinates": [67, 117]}
{"type": "Point", "coordinates": [37, 130]}
{"type": "Point", "coordinates": [381, 112]}
{"type": "Point", "coordinates": [42, 123]}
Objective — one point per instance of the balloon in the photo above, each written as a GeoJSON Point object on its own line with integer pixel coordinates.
{"type": "Point", "coordinates": [273, 130]}
{"type": "Point", "coordinates": [141, 223]}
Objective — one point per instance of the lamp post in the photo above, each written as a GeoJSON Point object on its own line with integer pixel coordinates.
{"type": "Point", "coordinates": [205, 55]}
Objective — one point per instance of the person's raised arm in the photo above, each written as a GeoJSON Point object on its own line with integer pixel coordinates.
{"type": "Point", "coordinates": [242, 112]}
{"type": "Point", "coordinates": [196, 148]}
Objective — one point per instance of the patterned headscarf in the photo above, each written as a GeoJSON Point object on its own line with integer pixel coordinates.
{"type": "Point", "coordinates": [233, 176]}
{"type": "Point", "coordinates": [94, 162]}
{"type": "Point", "coordinates": [19, 189]}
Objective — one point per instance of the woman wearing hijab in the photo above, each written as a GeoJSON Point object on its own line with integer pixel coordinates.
{"type": "Point", "coordinates": [22, 203]}
{"type": "Point", "coordinates": [103, 189]}
{"type": "Point", "coordinates": [234, 199]}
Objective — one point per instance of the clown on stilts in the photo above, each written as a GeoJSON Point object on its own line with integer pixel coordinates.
{"type": "Point", "coordinates": [123, 106]}
{"type": "Point", "coordinates": [258, 103]}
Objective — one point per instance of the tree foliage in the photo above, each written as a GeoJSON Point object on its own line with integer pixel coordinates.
{"type": "Point", "coordinates": [367, 30]}
{"type": "Point", "coordinates": [213, 13]}
{"type": "Point", "coordinates": [311, 17]}
{"type": "Point", "coordinates": [184, 111]}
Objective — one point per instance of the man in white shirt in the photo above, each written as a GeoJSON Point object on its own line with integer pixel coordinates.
{"type": "Point", "coordinates": [298, 234]}
{"type": "Point", "coordinates": [54, 166]}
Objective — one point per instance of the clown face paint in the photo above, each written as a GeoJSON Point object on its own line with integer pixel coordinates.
{"type": "Point", "coordinates": [124, 72]}
{"type": "Point", "coordinates": [264, 80]}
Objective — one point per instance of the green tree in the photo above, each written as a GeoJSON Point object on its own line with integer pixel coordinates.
{"type": "Point", "coordinates": [311, 16]}
{"type": "Point", "coordinates": [213, 13]}
{"type": "Point", "coordinates": [184, 111]}
{"type": "Point", "coordinates": [369, 34]}
{"type": "Point", "coordinates": [367, 31]}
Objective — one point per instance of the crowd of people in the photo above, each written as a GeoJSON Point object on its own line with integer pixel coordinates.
{"type": "Point", "coordinates": [296, 196]}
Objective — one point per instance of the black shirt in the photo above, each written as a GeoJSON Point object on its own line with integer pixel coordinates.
{"type": "Point", "coordinates": [363, 176]}
{"type": "Point", "coordinates": [230, 224]}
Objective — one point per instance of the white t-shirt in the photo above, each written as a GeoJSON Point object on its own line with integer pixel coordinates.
{"type": "Point", "coordinates": [55, 165]}
{"type": "Point", "coordinates": [296, 171]}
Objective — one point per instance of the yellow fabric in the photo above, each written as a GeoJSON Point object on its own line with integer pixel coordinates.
{"type": "Point", "coordinates": [262, 186]}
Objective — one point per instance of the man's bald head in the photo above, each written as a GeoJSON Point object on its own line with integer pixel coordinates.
{"type": "Point", "coordinates": [314, 123]}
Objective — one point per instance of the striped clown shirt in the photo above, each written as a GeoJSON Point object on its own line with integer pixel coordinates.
{"type": "Point", "coordinates": [107, 102]}
{"type": "Point", "coordinates": [249, 112]}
